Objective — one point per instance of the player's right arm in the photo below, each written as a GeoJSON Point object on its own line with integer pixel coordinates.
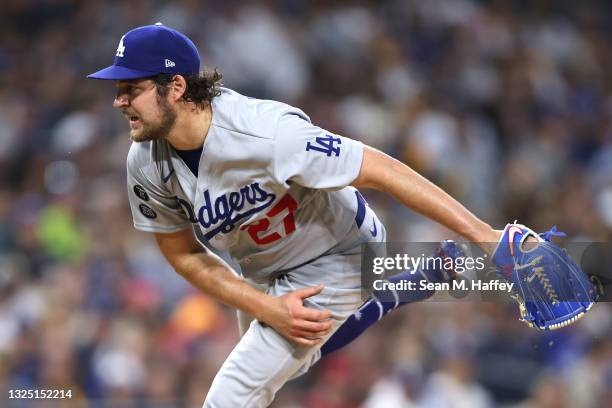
{"type": "Point", "coordinates": [207, 272]}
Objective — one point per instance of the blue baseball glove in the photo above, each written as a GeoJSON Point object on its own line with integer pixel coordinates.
{"type": "Point", "coordinates": [551, 289]}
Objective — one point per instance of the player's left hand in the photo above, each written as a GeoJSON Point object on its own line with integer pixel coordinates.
{"type": "Point", "coordinates": [295, 322]}
{"type": "Point", "coordinates": [551, 289]}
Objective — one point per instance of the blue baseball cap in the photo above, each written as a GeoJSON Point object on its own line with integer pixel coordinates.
{"type": "Point", "coordinates": [150, 50]}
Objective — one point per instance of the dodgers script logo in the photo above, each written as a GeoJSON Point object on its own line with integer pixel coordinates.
{"type": "Point", "coordinates": [227, 210]}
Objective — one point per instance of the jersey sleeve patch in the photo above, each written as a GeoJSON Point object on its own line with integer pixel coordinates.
{"type": "Point", "coordinates": [141, 192]}
{"type": "Point", "coordinates": [154, 206]}
{"type": "Point", "coordinates": [147, 211]}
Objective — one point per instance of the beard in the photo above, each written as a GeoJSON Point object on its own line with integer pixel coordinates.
{"type": "Point", "coordinates": [159, 131]}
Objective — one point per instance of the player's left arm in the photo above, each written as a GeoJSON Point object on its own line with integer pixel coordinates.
{"type": "Point", "coordinates": [382, 172]}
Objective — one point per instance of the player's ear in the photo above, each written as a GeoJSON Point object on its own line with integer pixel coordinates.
{"type": "Point", "coordinates": [178, 87]}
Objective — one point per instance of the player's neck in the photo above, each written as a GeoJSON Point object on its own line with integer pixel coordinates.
{"type": "Point", "coordinates": [191, 128]}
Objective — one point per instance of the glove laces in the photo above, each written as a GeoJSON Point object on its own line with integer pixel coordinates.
{"type": "Point", "coordinates": [553, 232]}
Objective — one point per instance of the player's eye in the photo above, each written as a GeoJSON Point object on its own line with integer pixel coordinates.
{"type": "Point", "coordinates": [136, 90]}
{"type": "Point", "coordinates": [128, 91]}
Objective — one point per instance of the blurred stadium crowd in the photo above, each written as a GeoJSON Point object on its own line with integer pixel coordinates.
{"type": "Point", "coordinates": [505, 104]}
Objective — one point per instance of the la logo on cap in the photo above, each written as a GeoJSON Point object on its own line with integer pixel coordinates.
{"type": "Point", "coordinates": [120, 48]}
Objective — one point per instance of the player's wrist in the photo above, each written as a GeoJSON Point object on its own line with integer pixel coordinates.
{"type": "Point", "coordinates": [262, 306]}
{"type": "Point", "coordinates": [486, 237]}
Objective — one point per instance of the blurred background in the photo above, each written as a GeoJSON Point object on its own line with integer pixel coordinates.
{"type": "Point", "coordinates": [505, 104]}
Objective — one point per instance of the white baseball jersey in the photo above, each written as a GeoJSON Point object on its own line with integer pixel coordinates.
{"type": "Point", "coordinates": [271, 188]}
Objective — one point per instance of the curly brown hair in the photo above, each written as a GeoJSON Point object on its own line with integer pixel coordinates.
{"type": "Point", "coordinates": [201, 88]}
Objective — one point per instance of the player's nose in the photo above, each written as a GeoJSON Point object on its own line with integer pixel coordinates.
{"type": "Point", "coordinates": [121, 101]}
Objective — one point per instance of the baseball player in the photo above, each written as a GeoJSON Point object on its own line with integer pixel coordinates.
{"type": "Point", "coordinates": [257, 183]}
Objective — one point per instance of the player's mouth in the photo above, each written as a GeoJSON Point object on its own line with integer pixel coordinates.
{"type": "Point", "coordinates": [134, 120]}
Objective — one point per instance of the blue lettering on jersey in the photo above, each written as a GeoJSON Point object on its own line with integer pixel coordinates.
{"type": "Point", "coordinates": [325, 145]}
{"type": "Point", "coordinates": [224, 210]}
{"type": "Point", "coordinates": [188, 208]}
